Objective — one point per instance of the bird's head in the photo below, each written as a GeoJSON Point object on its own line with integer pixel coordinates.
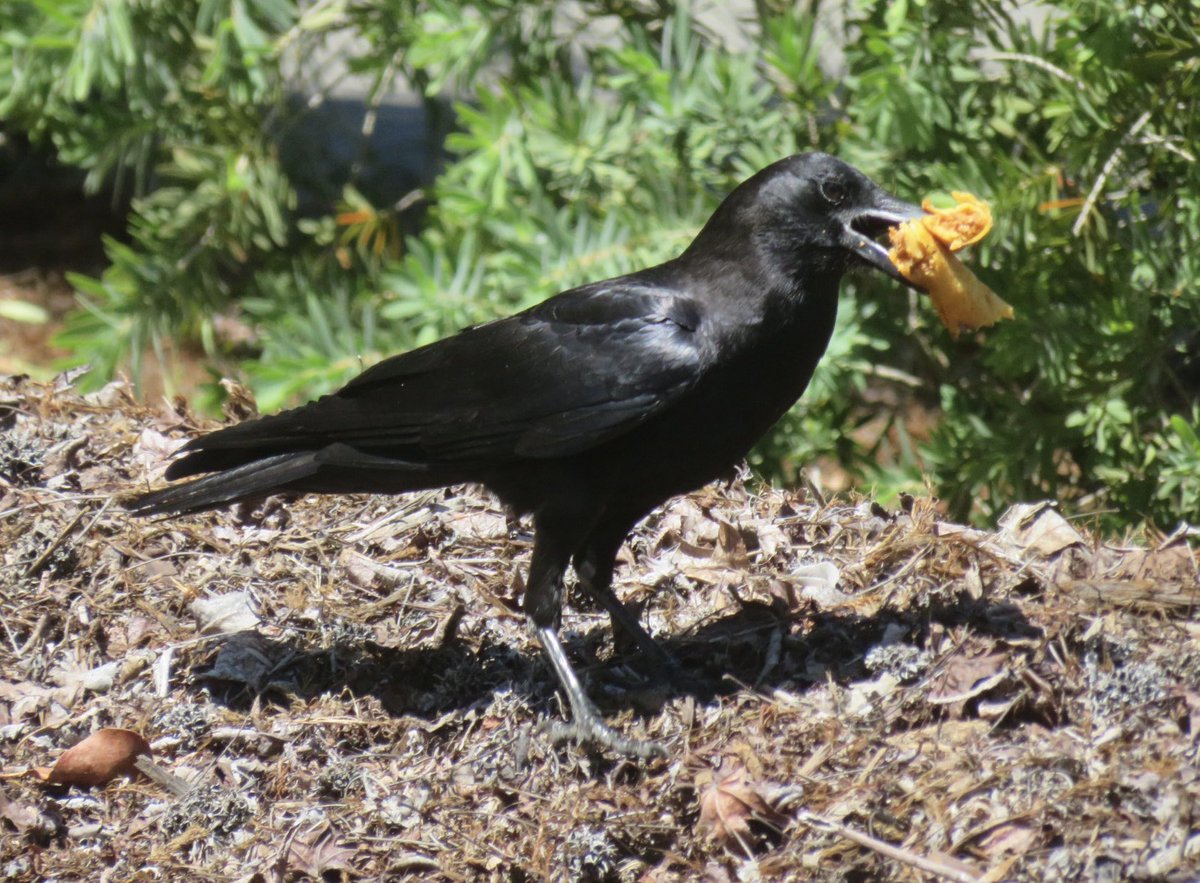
{"type": "Point", "coordinates": [810, 214]}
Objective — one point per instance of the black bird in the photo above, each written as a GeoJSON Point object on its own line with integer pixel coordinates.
{"type": "Point", "coordinates": [593, 407]}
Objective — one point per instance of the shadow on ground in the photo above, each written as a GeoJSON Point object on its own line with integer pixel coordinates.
{"type": "Point", "coordinates": [755, 647]}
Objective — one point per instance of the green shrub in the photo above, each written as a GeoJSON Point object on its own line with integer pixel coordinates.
{"type": "Point", "coordinates": [595, 141]}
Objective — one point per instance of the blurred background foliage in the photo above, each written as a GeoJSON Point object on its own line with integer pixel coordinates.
{"type": "Point", "coordinates": [593, 138]}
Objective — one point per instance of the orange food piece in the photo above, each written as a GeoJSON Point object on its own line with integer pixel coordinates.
{"type": "Point", "coordinates": [923, 251]}
{"type": "Point", "coordinates": [969, 221]}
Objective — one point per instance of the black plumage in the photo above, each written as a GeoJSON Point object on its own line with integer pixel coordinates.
{"type": "Point", "coordinates": [593, 407]}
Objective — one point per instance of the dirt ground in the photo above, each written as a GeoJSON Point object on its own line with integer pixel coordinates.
{"type": "Point", "coordinates": [345, 689]}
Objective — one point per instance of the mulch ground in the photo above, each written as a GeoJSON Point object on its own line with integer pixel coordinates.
{"type": "Point", "coordinates": [344, 688]}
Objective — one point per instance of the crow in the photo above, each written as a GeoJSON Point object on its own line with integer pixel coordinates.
{"type": "Point", "coordinates": [591, 408]}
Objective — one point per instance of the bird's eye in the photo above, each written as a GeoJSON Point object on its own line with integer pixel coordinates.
{"type": "Point", "coordinates": [833, 192]}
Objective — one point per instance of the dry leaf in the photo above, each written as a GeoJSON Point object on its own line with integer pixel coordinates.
{"type": "Point", "coordinates": [224, 614]}
{"type": "Point", "coordinates": [97, 760]}
{"type": "Point", "coordinates": [153, 451]}
{"type": "Point", "coordinates": [714, 873]}
{"type": "Point", "coordinates": [42, 824]}
{"type": "Point", "coordinates": [818, 584]}
{"type": "Point", "coordinates": [731, 801]}
{"type": "Point", "coordinates": [731, 545]}
{"type": "Point", "coordinates": [247, 658]}
{"type": "Point", "coordinates": [99, 679]}
{"type": "Point", "coordinates": [863, 697]}
{"type": "Point", "coordinates": [316, 859]}
{"type": "Point", "coordinates": [964, 677]}
{"type": "Point", "coordinates": [1038, 529]}
{"type": "Point", "coordinates": [21, 815]}
{"type": "Point", "coordinates": [1011, 839]}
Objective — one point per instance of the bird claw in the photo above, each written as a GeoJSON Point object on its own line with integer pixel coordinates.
{"type": "Point", "coordinates": [593, 732]}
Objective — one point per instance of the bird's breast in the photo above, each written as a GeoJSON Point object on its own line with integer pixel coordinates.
{"type": "Point", "coordinates": [733, 405]}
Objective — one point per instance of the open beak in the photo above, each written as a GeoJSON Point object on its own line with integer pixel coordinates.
{"type": "Point", "coordinates": [864, 229]}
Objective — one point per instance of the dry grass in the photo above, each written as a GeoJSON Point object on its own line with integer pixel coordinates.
{"type": "Point", "coordinates": [893, 697]}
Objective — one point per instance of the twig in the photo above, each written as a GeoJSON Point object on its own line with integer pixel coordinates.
{"type": "Point", "coordinates": [1168, 144]}
{"type": "Point", "coordinates": [1109, 165]}
{"type": "Point", "coordinates": [177, 786]}
{"type": "Point", "coordinates": [887, 850]}
{"type": "Point", "coordinates": [772, 657]}
{"type": "Point", "coordinates": [884, 372]}
{"type": "Point", "coordinates": [40, 561]}
{"type": "Point", "coordinates": [34, 636]}
{"type": "Point", "coordinates": [382, 85]}
{"type": "Point", "coordinates": [1037, 62]}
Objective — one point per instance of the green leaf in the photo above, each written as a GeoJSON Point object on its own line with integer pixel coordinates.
{"type": "Point", "coordinates": [23, 311]}
{"type": "Point", "coordinates": [893, 18]}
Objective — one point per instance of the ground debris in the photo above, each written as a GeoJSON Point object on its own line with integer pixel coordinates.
{"type": "Point", "coordinates": [342, 688]}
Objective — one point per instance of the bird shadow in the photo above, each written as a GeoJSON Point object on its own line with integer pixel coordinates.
{"type": "Point", "coordinates": [755, 646]}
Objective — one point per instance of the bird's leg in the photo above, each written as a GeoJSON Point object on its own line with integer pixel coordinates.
{"type": "Point", "coordinates": [624, 619]}
{"type": "Point", "coordinates": [594, 565]}
{"type": "Point", "coordinates": [587, 727]}
{"type": "Point", "coordinates": [543, 606]}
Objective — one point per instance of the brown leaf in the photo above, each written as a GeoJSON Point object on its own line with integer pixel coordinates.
{"type": "Point", "coordinates": [97, 760]}
{"type": "Point", "coordinates": [730, 802]}
{"type": "Point", "coordinates": [964, 677]}
{"type": "Point", "coordinates": [731, 545]}
{"type": "Point", "coordinates": [315, 859]}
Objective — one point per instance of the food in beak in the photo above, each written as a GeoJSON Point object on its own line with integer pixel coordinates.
{"type": "Point", "coordinates": [923, 251]}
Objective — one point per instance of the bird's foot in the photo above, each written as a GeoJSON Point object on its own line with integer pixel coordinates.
{"type": "Point", "coordinates": [665, 668]}
{"type": "Point", "coordinates": [587, 727]}
{"type": "Point", "coordinates": [591, 731]}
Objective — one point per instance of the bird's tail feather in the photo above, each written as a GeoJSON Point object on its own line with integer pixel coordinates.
{"type": "Point", "coordinates": [246, 482]}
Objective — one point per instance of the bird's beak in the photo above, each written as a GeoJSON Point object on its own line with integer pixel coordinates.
{"type": "Point", "coordinates": [863, 230]}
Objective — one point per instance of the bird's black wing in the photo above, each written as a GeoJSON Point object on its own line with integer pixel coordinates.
{"type": "Point", "coordinates": [555, 380]}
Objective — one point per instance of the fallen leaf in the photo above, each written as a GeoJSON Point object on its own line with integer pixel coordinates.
{"type": "Point", "coordinates": [818, 584]}
{"type": "Point", "coordinates": [42, 824]}
{"type": "Point", "coordinates": [770, 540]}
{"type": "Point", "coordinates": [319, 857]}
{"type": "Point", "coordinates": [1038, 529]}
{"type": "Point", "coordinates": [156, 570]}
{"type": "Point", "coordinates": [97, 760]}
{"type": "Point", "coordinates": [224, 614]}
{"type": "Point", "coordinates": [22, 692]}
{"type": "Point", "coordinates": [479, 524]}
{"type": "Point", "coordinates": [964, 677]}
{"type": "Point", "coordinates": [714, 873]}
{"type": "Point", "coordinates": [99, 679]}
{"type": "Point", "coordinates": [731, 545]}
{"type": "Point", "coordinates": [153, 451]}
{"type": "Point", "coordinates": [1009, 839]}
{"type": "Point", "coordinates": [731, 801]}
{"type": "Point", "coordinates": [863, 697]}
{"type": "Point", "coordinates": [21, 815]}
{"type": "Point", "coordinates": [139, 629]}
{"type": "Point", "coordinates": [244, 659]}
